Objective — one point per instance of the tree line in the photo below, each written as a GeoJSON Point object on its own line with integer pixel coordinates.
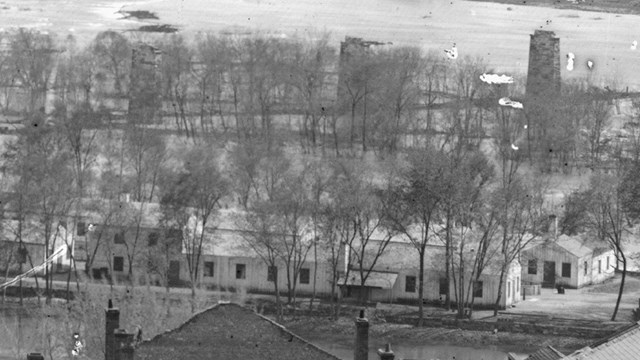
{"type": "Point", "coordinates": [386, 141]}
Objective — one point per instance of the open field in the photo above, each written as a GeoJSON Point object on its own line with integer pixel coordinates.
{"type": "Point", "coordinates": [496, 32]}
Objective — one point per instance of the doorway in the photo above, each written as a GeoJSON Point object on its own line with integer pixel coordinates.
{"type": "Point", "coordinates": [549, 277]}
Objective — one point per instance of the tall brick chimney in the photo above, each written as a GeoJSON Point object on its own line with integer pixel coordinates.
{"type": "Point", "coordinates": [543, 85]}
{"type": "Point", "coordinates": [123, 345]}
{"type": "Point", "coordinates": [112, 323]}
{"type": "Point", "coordinates": [361, 349]}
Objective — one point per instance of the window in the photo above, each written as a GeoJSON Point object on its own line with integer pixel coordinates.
{"type": "Point", "coordinates": [608, 263]}
{"type": "Point", "coordinates": [22, 255]}
{"type": "Point", "coordinates": [533, 266]}
{"type": "Point", "coordinates": [477, 289]}
{"type": "Point", "coordinates": [241, 271]}
{"type": "Point", "coordinates": [272, 273]}
{"type": "Point", "coordinates": [566, 270]}
{"type": "Point", "coordinates": [118, 238]}
{"type": "Point", "coordinates": [599, 266]}
{"type": "Point", "coordinates": [174, 234]}
{"type": "Point", "coordinates": [586, 266]}
{"type": "Point", "coordinates": [410, 284]}
{"type": "Point", "coordinates": [118, 263]}
{"type": "Point", "coordinates": [444, 286]}
{"type": "Point", "coordinates": [304, 276]}
{"type": "Point", "coordinates": [152, 238]}
{"type": "Point", "coordinates": [508, 289]}
{"type": "Point", "coordinates": [208, 268]}
{"type": "Point", "coordinates": [81, 229]}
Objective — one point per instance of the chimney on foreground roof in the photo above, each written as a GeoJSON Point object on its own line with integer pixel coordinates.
{"type": "Point", "coordinates": [361, 350]}
{"type": "Point", "coordinates": [112, 323]}
{"type": "Point", "coordinates": [123, 345]}
{"type": "Point", "coordinates": [386, 353]}
{"type": "Point", "coordinates": [554, 220]}
{"type": "Point", "coordinates": [35, 356]}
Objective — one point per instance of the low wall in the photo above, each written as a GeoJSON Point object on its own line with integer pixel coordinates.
{"type": "Point", "coordinates": [509, 325]}
{"type": "Point", "coordinates": [531, 289]}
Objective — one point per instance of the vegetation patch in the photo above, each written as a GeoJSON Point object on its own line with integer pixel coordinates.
{"type": "Point", "coordinates": [570, 16]}
{"type": "Point", "coordinates": [139, 14]}
{"type": "Point", "coordinates": [164, 28]}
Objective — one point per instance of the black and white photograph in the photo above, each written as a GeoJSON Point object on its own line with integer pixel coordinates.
{"type": "Point", "coordinates": [319, 179]}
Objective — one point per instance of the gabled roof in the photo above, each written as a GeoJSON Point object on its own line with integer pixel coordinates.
{"type": "Point", "coordinates": [229, 331]}
{"type": "Point", "coordinates": [579, 245]}
{"type": "Point", "coordinates": [546, 353]}
{"type": "Point", "coordinates": [404, 256]}
{"type": "Point", "coordinates": [624, 345]}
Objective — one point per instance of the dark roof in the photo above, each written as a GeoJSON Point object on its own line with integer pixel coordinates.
{"type": "Point", "coordinates": [624, 345]}
{"type": "Point", "coordinates": [546, 353]}
{"type": "Point", "coordinates": [229, 331]}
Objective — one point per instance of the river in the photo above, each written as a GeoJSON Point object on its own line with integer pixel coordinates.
{"type": "Point", "coordinates": [498, 33]}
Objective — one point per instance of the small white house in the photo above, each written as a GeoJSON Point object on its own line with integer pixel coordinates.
{"type": "Point", "coordinates": [573, 261]}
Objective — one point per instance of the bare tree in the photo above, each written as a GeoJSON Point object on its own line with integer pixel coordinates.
{"type": "Point", "coordinates": [44, 169]}
{"type": "Point", "coordinates": [192, 201]}
{"type": "Point", "coordinates": [33, 62]}
{"type": "Point", "coordinates": [397, 95]}
{"type": "Point", "coordinates": [176, 68]}
{"type": "Point", "coordinates": [367, 221]}
{"type": "Point", "coordinates": [310, 64]}
{"type": "Point", "coordinates": [415, 203]}
{"type": "Point", "coordinates": [113, 52]}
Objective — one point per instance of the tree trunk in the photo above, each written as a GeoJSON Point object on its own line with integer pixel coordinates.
{"type": "Point", "coordinates": [364, 122]}
{"type": "Point", "coordinates": [315, 270]}
{"type": "Point", "coordinates": [496, 306]}
{"type": "Point", "coordinates": [421, 287]}
{"type": "Point", "coordinates": [624, 274]}
{"type": "Point", "coordinates": [448, 261]}
{"type": "Point", "coordinates": [278, 302]}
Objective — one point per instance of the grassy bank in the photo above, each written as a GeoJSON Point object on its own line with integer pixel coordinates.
{"type": "Point", "coordinates": [342, 331]}
{"type": "Point", "coordinates": [609, 6]}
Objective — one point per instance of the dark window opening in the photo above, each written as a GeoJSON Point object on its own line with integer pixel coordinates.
{"type": "Point", "coordinates": [304, 276]}
{"type": "Point", "coordinates": [410, 284]}
{"type": "Point", "coordinates": [175, 234]}
{"type": "Point", "coordinates": [508, 289]}
{"type": "Point", "coordinates": [152, 239]}
{"type": "Point", "coordinates": [566, 270]}
{"type": "Point", "coordinates": [118, 238]}
{"type": "Point", "coordinates": [599, 266]}
{"type": "Point", "coordinates": [533, 267]}
{"type": "Point", "coordinates": [608, 265]}
{"type": "Point", "coordinates": [241, 271]}
{"type": "Point", "coordinates": [118, 263]}
{"type": "Point", "coordinates": [208, 268]}
{"type": "Point", "coordinates": [477, 289]}
{"type": "Point", "coordinates": [81, 228]}
{"type": "Point", "coordinates": [22, 255]}
{"type": "Point", "coordinates": [586, 266]}
{"type": "Point", "coordinates": [444, 286]}
{"type": "Point", "coordinates": [272, 273]}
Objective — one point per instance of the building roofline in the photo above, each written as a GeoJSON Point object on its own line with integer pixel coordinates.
{"type": "Point", "coordinates": [220, 304]}
{"type": "Point", "coordinates": [615, 336]}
